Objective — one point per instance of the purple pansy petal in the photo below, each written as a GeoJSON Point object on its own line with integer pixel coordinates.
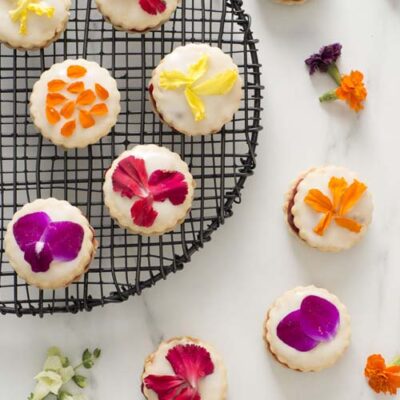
{"type": "Point", "coordinates": [168, 185]}
{"type": "Point", "coordinates": [322, 60]}
{"type": "Point", "coordinates": [290, 332]}
{"type": "Point", "coordinates": [30, 228]}
{"type": "Point", "coordinates": [39, 256]}
{"type": "Point", "coordinates": [319, 318]}
{"type": "Point", "coordinates": [64, 239]}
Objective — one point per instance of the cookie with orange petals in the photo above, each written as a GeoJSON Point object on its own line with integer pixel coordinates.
{"type": "Point", "coordinates": [329, 208]}
{"type": "Point", "coordinates": [75, 103]}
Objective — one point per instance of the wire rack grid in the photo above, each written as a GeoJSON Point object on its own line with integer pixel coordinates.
{"type": "Point", "coordinates": [31, 167]}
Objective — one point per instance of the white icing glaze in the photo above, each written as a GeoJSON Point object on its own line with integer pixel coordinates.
{"type": "Point", "coordinates": [169, 215]}
{"type": "Point", "coordinates": [172, 104]}
{"type": "Point", "coordinates": [128, 15]}
{"type": "Point", "coordinates": [335, 238]}
{"type": "Point", "coordinates": [212, 387]}
{"type": "Point", "coordinates": [322, 356]}
{"type": "Point", "coordinates": [41, 30]}
{"type": "Point", "coordinates": [81, 137]}
{"type": "Point", "coordinates": [61, 273]}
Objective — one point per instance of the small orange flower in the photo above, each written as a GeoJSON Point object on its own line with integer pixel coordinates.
{"type": "Point", "coordinates": [382, 378]}
{"type": "Point", "coordinates": [344, 199]}
{"type": "Point", "coordinates": [352, 90]}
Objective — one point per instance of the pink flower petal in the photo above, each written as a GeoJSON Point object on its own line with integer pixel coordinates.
{"type": "Point", "coordinates": [319, 318]}
{"type": "Point", "coordinates": [130, 178]}
{"type": "Point", "coordinates": [30, 228]}
{"type": "Point", "coordinates": [143, 213]}
{"type": "Point", "coordinates": [39, 256]}
{"type": "Point", "coordinates": [190, 362]}
{"type": "Point", "coordinates": [290, 332]}
{"type": "Point", "coordinates": [188, 393]}
{"type": "Point", "coordinates": [168, 185]}
{"type": "Point", "coordinates": [166, 387]}
{"type": "Point", "coordinates": [153, 7]}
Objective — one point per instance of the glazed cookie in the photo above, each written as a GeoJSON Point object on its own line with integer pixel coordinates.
{"type": "Point", "coordinates": [75, 103]}
{"type": "Point", "coordinates": [291, 2]}
{"type": "Point", "coordinates": [137, 15]}
{"type": "Point", "coordinates": [196, 89]}
{"type": "Point", "coordinates": [32, 24]}
{"type": "Point", "coordinates": [307, 329]}
{"type": "Point", "coordinates": [49, 243]}
{"type": "Point", "coordinates": [329, 208]}
{"type": "Point", "coordinates": [149, 190]}
{"type": "Point", "coordinates": [186, 368]}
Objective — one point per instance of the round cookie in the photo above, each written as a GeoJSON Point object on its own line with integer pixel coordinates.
{"type": "Point", "coordinates": [196, 89]}
{"type": "Point", "coordinates": [149, 190]}
{"type": "Point", "coordinates": [32, 24]}
{"type": "Point", "coordinates": [307, 329]}
{"type": "Point", "coordinates": [49, 243]}
{"type": "Point", "coordinates": [194, 367]}
{"type": "Point", "coordinates": [329, 208]}
{"type": "Point", "coordinates": [75, 103]}
{"type": "Point", "coordinates": [137, 15]}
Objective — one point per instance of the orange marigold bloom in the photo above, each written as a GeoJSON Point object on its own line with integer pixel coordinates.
{"type": "Point", "coordinates": [352, 90]}
{"type": "Point", "coordinates": [382, 378]}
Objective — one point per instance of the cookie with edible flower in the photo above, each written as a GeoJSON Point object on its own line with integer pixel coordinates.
{"type": "Point", "coordinates": [307, 329]}
{"type": "Point", "coordinates": [137, 15]}
{"type": "Point", "coordinates": [149, 190]}
{"type": "Point", "coordinates": [75, 103]}
{"type": "Point", "coordinates": [184, 368]}
{"type": "Point", "coordinates": [32, 24]}
{"type": "Point", "coordinates": [329, 208]}
{"type": "Point", "coordinates": [49, 243]}
{"type": "Point", "coordinates": [196, 89]}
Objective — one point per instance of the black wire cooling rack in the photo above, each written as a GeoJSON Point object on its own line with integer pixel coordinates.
{"type": "Point", "coordinates": [31, 167]}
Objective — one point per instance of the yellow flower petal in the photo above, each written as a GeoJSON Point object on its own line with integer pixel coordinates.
{"type": "Point", "coordinates": [351, 196]}
{"type": "Point", "coordinates": [195, 104]}
{"type": "Point", "coordinates": [197, 70]}
{"type": "Point", "coordinates": [218, 85]}
{"type": "Point", "coordinates": [323, 224]}
{"type": "Point", "coordinates": [337, 187]}
{"type": "Point", "coordinates": [318, 201]}
{"type": "Point", "coordinates": [172, 80]}
{"type": "Point", "coordinates": [349, 224]}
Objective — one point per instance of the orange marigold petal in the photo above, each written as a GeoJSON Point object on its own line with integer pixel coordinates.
{"type": "Point", "coordinates": [76, 71]}
{"type": "Point", "coordinates": [55, 99]}
{"type": "Point", "coordinates": [101, 92]}
{"type": "Point", "coordinates": [337, 187]}
{"type": "Point", "coordinates": [68, 128]}
{"type": "Point", "coordinates": [349, 224]}
{"type": "Point", "coordinates": [100, 109]}
{"type": "Point", "coordinates": [351, 196]}
{"type": "Point", "coordinates": [52, 115]}
{"type": "Point", "coordinates": [56, 85]}
{"type": "Point", "coordinates": [318, 201]}
{"type": "Point", "coordinates": [68, 109]}
{"type": "Point", "coordinates": [76, 87]}
{"type": "Point", "coordinates": [86, 119]}
{"type": "Point", "coordinates": [375, 362]}
{"type": "Point", "coordinates": [323, 224]}
{"type": "Point", "coordinates": [86, 97]}
{"type": "Point", "coordinates": [352, 90]}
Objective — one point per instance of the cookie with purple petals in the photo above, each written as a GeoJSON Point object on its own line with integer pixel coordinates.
{"type": "Point", "coordinates": [49, 243]}
{"type": "Point", "coordinates": [307, 329]}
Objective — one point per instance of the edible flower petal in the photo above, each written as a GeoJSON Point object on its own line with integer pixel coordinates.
{"type": "Point", "coordinates": [218, 85]}
{"type": "Point", "coordinates": [168, 185]}
{"type": "Point", "coordinates": [86, 97]}
{"type": "Point", "coordinates": [195, 104]}
{"type": "Point", "coordinates": [352, 90]}
{"type": "Point", "coordinates": [382, 378]}
{"type": "Point", "coordinates": [76, 71]}
{"type": "Point", "coordinates": [56, 85]}
{"type": "Point", "coordinates": [102, 93]}
{"type": "Point", "coordinates": [153, 7]}
{"type": "Point", "coordinates": [143, 213]}
{"type": "Point", "coordinates": [191, 363]}
{"type": "Point", "coordinates": [86, 120]}
{"type": "Point", "coordinates": [52, 115]}
{"type": "Point", "coordinates": [322, 60]}
{"type": "Point", "coordinates": [68, 128]}
{"type": "Point", "coordinates": [49, 380]}
{"type": "Point", "coordinates": [76, 87]}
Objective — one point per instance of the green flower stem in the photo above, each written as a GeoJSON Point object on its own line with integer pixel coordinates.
{"type": "Point", "coordinates": [328, 96]}
{"type": "Point", "coordinates": [334, 73]}
{"type": "Point", "coordinates": [396, 361]}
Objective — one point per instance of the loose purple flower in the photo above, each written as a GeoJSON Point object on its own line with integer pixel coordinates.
{"type": "Point", "coordinates": [325, 58]}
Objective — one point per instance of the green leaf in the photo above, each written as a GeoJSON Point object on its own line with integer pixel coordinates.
{"type": "Point", "coordinates": [396, 361]}
{"type": "Point", "coordinates": [86, 356]}
{"type": "Point", "coordinates": [80, 381]}
{"type": "Point", "coordinates": [88, 364]}
{"type": "Point", "coordinates": [65, 362]}
{"type": "Point", "coordinates": [97, 353]}
{"type": "Point", "coordinates": [64, 395]}
{"type": "Point", "coordinates": [30, 396]}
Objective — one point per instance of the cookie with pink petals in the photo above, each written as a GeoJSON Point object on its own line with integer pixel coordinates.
{"type": "Point", "coordinates": [184, 367]}
{"type": "Point", "coordinates": [307, 329]}
{"type": "Point", "coordinates": [137, 15]}
{"type": "Point", "coordinates": [149, 190]}
{"type": "Point", "coordinates": [49, 243]}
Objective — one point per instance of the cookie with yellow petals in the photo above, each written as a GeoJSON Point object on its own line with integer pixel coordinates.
{"type": "Point", "coordinates": [329, 208]}
{"type": "Point", "coordinates": [75, 103]}
{"type": "Point", "coordinates": [196, 89]}
{"type": "Point", "coordinates": [32, 24]}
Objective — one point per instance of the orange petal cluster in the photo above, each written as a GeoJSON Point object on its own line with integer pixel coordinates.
{"type": "Point", "coordinates": [84, 98]}
{"type": "Point", "coordinates": [382, 378]}
{"type": "Point", "coordinates": [352, 90]}
{"type": "Point", "coordinates": [344, 198]}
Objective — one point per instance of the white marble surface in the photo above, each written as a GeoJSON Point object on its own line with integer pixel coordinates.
{"type": "Point", "coordinates": [223, 294]}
